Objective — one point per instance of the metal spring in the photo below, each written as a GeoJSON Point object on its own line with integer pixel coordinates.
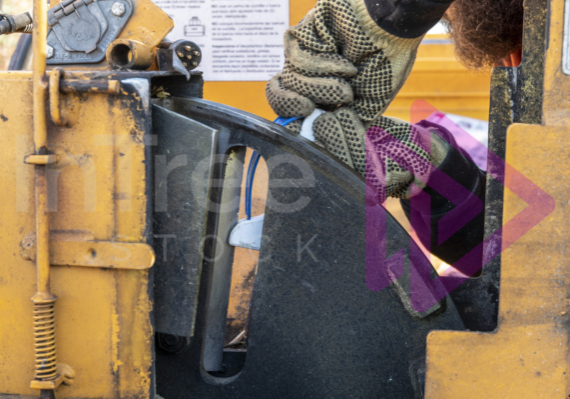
{"type": "Point", "coordinates": [44, 338]}
{"type": "Point", "coordinates": [27, 29]}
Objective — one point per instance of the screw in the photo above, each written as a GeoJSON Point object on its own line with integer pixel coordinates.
{"type": "Point", "coordinates": [118, 9]}
{"type": "Point", "coordinates": [188, 48]}
{"type": "Point", "coordinates": [189, 57]}
{"type": "Point", "coordinates": [185, 64]}
{"type": "Point", "coordinates": [49, 51]}
{"type": "Point", "coordinates": [197, 54]}
{"type": "Point", "coordinates": [180, 54]}
{"type": "Point", "coordinates": [195, 64]}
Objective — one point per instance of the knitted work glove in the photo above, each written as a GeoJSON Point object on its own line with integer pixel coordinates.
{"type": "Point", "coordinates": [351, 52]}
{"type": "Point", "coordinates": [356, 55]}
{"type": "Point", "coordinates": [390, 153]}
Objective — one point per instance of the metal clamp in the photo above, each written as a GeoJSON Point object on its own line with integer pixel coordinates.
{"type": "Point", "coordinates": [66, 374]}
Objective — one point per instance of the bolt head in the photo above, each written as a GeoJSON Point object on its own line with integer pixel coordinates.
{"type": "Point", "coordinates": [49, 51]}
{"type": "Point", "coordinates": [118, 9]}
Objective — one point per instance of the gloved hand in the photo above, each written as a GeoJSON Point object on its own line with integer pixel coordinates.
{"type": "Point", "coordinates": [390, 153]}
{"type": "Point", "coordinates": [357, 54]}
{"type": "Point", "coordinates": [351, 52]}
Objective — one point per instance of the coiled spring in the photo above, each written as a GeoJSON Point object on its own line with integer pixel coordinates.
{"type": "Point", "coordinates": [26, 29]}
{"type": "Point", "coordinates": [44, 338]}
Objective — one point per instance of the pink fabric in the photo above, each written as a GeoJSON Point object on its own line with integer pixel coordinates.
{"type": "Point", "coordinates": [381, 145]}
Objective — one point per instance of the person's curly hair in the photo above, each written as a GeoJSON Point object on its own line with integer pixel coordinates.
{"type": "Point", "coordinates": [485, 31]}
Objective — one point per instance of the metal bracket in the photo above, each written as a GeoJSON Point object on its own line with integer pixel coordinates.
{"type": "Point", "coordinates": [57, 86]}
{"type": "Point", "coordinates": [81, 30]}
{"type": "Point", "coordinates": [65, 250]}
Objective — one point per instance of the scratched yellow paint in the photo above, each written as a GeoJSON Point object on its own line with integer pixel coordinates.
{"type": "Point", "coordinates": [103, 321]}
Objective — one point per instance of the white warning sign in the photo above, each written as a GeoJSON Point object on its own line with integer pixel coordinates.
{"type": "Point", "coordinates": [566, 44]}
{"type": "Point", "coordinates": [241, 40]}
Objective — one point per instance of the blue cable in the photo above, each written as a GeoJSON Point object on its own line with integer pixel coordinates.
{"type": "Point", "coordinates": [249, 182]}
{"type": "Point", "coordinates": [253, 162]}
{"type": "Point", "coordinates": [285, 121]}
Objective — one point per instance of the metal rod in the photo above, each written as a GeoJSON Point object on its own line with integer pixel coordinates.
{"type": "Point", "coordinates": [40, 87]}
{"type": "Point", "coordinates": [44, 317]}
{"type": "Point", "coordinates": [39, 68]}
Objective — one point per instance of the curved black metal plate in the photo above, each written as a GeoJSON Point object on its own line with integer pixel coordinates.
{"type": "Point", "coordinates": [316, 330]}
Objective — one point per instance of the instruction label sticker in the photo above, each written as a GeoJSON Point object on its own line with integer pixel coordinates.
{"type": "Point", "coordinates": [241, 40]}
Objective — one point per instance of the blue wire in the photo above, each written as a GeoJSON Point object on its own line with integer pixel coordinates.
{"type": "Point", "coordinates": [249, 182]}
{"type": "Point", "coordinates": [253, 162]}
{"type": "Point", "coordinates": [285, 121]}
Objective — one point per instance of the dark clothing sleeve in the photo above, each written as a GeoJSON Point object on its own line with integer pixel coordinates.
{"type": "Point", "coordinates": [462, 170]}
{"type": "Point", "coordinates": [407, 18]}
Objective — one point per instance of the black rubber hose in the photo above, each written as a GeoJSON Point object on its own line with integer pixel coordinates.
{"type": "Point", "coordinates": [16, 23]}
{"type": "Point", "coordinates": [20, 55]}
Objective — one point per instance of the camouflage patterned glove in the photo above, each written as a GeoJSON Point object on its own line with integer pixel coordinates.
{"type": "Point", "coordinates": [390, 153]}
{"type": "Point", "coordinates": [351, 52]}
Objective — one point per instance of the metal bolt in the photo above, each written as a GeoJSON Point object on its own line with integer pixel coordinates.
{"type": "Point", "coordinates": [188, 48]}
{"type": "Point", "coordinates": [196, 53]}
{"type": "Point", "coordinates": [180, 54]}
{"type": "Point", "coordinates": [195, 64]}
{"type": "Point", "coordinates": [189, 57]}
{"type": "Point", "coordinates": [49, 51]}
{"type": "Point", "coordinates": [118, 9]}
{"type": "Point", "coordinates": [185, 64]}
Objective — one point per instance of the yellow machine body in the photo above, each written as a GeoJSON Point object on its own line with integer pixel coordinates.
{"type": "Point", "coordinates": [98, 180]}
{"type": "Point", "coordinates": [98, 220]}
{"type": "Point", "coordinates": [528, 355]}
{"type": "Point", "coordinates": [98, 207]}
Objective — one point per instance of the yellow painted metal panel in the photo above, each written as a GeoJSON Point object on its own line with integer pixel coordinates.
{"type": "Point", "coordinates": [528, 355]}
{"type": "Point", "coordinates": [103, 324]}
